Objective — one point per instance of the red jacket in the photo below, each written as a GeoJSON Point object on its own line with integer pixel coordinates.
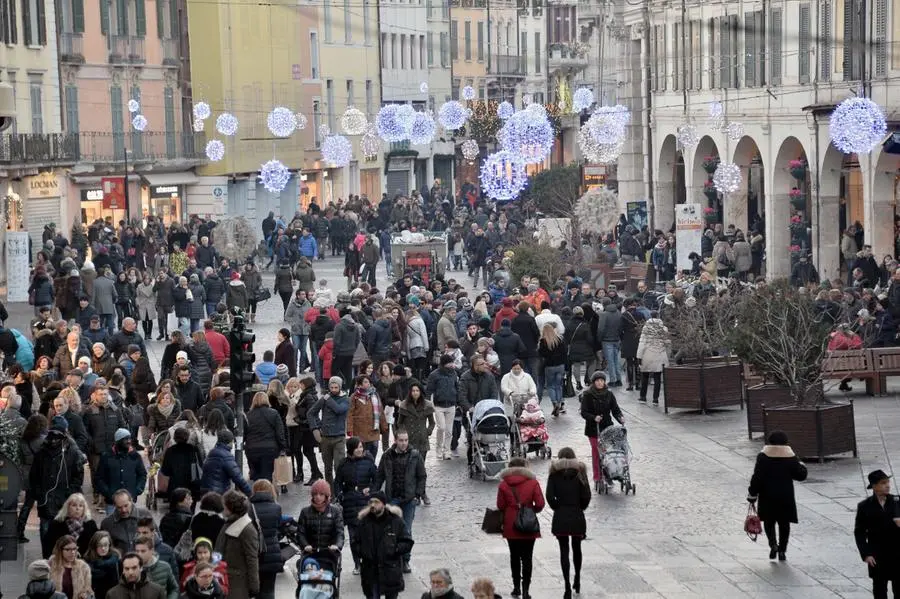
{"type": "Point", "coordinates": [221, 349]}
{"type": "Point", "coordinates": [220, 573]}
{"type": "Point", "coordinates": [326, 354]}
{"type": "Point", "coordinates": [840, 341]}
{"type": "Point", "coordinates": [504, 312]}
{"type": "Point", "coordinates": [312, 314]}
{"type": "Point", "coordinates": [518, 486]}
{"type": "Point", "coordinates": [537, 298]}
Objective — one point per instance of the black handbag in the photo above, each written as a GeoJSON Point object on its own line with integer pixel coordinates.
{"type": "Point", "coordinates": [492, 523]}
{"type": "Point", "coordinates": [262, 294]}
{"type": "Point", "coordinates": [526, 521]}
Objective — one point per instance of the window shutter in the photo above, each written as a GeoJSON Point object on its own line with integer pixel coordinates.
{"type": "Point", "coordinates": [849, 39]}
{"type": "Point", "coordinates": [725, 58]}
{"type": "Point", "coordinates": [121, 18]}
{"type": "Point", "coordinates": [115, 101]}
{"type": "Point", "coordinates": [13, 25]}
{"type": "Point", "coordinates": [104, 17]}
{"type": "Point", "coordinates": [4, 25]}
{"type": "Point", "coordinates": [825, 37]}
{"type": "Point", "coordinates": [174, 21]}
{"type": "Point", "coordinates": [803, 44]}
{"type": "Point", "coordinates": [71, 109]}
{"type": "Point", "coordinates": [775, 47]}
{"type": "Point", "coordinates": [697, 54]}
{"type": "Point", "coordinates": [160, 19]}
{"type": "Point", "coordinates": [750, 33]}
{"type": "Point", "coordinates": [140, 18]}
{"type": "Point", "coordinates": [714, 60]}
{"type": "Point", "coordinates": [678, 40]}
{"type": "Point", "coordinates": [41, 23]}
{"type": "Point", "coordinates": [169, 109]}
{"type": "Point", "coordinates": [880, 38]}
{"type": "Point", "coordinates": [26, 22]}
{"type": "Point", "coordinates": [78, 16]}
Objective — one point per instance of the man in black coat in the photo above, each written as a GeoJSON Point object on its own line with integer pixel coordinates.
{"type": "Point", "coordinates": [188, 392]}
{"type": "Point", "coordinates": [382, 542]}
{"type": "Point", "coordinates": [877, 533]}
{"type": "Point", "coordinates": [57, 472]}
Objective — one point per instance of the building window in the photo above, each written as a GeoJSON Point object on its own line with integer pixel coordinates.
{"type": "Point", "coordinates": [71, 101]}
{"type": "Point", "coordinates": [429, 8]}
{"type": "Point", "coordinates": [317, 122]}
{"type": "Point", "coordinates": [467, 40]}
{"type": "Point", "coordinates": [881, 16]}
{"type": "Point", "coordinates": [658, 67]}
{"type": "Point", "coordinates": [8, 22]}
{"type": "Point", "coordinates": [537, 52]}
{"type": "Point", "coordinates": [314, 54]}
{"type": "Point", "coordinates": [825, 35]}
{"type": "Point", "coordinates": [854, 38]}
{"type": "Point", "coordinates": [402, 50]}
{"type": "Point", "coordinates": [754, 48]}
{"type": "Point", "coordinates": [803, 44]}
{"type": "Point", "coordinates": [421, 51]}
{"type": "Point", "coordinates": [37, 105]}
{"type": "Point", "coordinates": [454, 40]}
{"type": "Point", "coordinates": [445, 9]}
{"type": "Point", "coordinates": [775, 28]}
{"type": "Point", "coordinates": [34, 22]}
{"type": "Point", "coordinates": [348, 36]}
{"type": "Point", "coordinates": [393, 48]}
{"type": "Point", "coordinates": [430, 37]}
{"type": "Point", "coordinates": [169, 108]}
{"type": "Point", "coordinates": [367, 28]}
{"type": "Point", "coordinates": [329, 98]}
{"type": "Point", "coordinates": [118, 123]}
{"type": "Point", "coordinates": [369, 98]}
{"type": "Point", "coordinates": [351, 101]}
{"type": "Point", "coordinates": [445, 50]}
{"type": "Point", "coordinates": [455, 90]}
{"type": "Point", "coordinates": [479, 40]}
{"type": "Point", "coordinates": [326, 20]}
{"type": "Point", "coordinates": [678, 56]}
{"type": "Point", "coordinates": [385, 51]}
{"type": "Point", "coordinates": [11, 79]}
{"type": "Point", "coordinates": [71, 15]}
{"type": "Point", "coordinates": [137, 148]}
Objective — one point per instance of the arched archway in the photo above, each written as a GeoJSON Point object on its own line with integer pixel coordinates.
{"type": "Point", "coordinates": [669, 184]}
{"type": "Point", "coordinates": [789, 219]}
{"type": "Point", "coordinates": [707, 148]}
{"type": "Point", "coordinates": [746, 208]}
{"type": "Point", "coordinates": [880, 227]}
{"type": "Point", "coordinates": [827, 212]}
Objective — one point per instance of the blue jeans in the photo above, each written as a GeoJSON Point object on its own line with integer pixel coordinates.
{"type": "Point", "coordinates": [409, 513]}
{"type": "Point", "coordinates": [299, 342]}
{"type": "Point", "coordinates": [553, 378]}
{"type": "Point", "coordinates": [613, 365]}
{"type": "Point", "coordinates": [195, 325]}
{"type": "Point", "coordinates": [210, 309]}
{"type": "Point", "coordinates": [108, 321]}
{"type": "Point", "coordinates": [184, 324]}
{"type": "Point", "coordinates": [533, 366]}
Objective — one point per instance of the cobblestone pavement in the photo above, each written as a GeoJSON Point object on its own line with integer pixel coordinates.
{"type": "Point", "coordinates": [679, 537]}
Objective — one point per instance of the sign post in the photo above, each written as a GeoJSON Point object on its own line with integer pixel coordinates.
{"type": "Point", "coordinates": [17, 259]}
{"type": "Point", "coordinates": [688, 233]}
{"type": "Point", "coordinates": [114, 193]}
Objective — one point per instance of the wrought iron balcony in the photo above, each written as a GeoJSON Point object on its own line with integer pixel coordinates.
{"type": "Point", "coordinates": [503, 65]}
{"type": "Point", "coordinates": [71, 48]}
{"type": "Point", "coordinates": [35, 149]}
{"type": "Point", "coordinates": [171, 54]}
{"type": "Point", "coordinates": [568, 57]}
{"type": "Point", "coordinates": [590, 9]}
{"type": "Point", "coordinates": [126, 49]}
{"type": "Point", "coordinates": [136, 50]}
{"type": "Point", "coordinates": [149, 146]}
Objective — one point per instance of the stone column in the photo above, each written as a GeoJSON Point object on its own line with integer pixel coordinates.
{"type": "Point", "coordinates": [735, 209]}
{"type": "Point", "coordinates": [664, 206]}
{"type": "Point", "coordinates": [778, 237]}
{"type": "Point", "coordinates": [826, 238]}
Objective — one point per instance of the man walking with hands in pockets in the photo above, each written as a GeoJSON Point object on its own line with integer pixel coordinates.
{"type": "Point", "coordinates": [877, 533]}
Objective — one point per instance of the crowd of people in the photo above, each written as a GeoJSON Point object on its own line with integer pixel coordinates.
{"type": "Point", "coordinates": [359, 387]}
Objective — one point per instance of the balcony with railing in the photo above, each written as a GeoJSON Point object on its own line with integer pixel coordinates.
{"type": "Point", "coordinates": [171, 55]}
{"type": "Point", "coordinates": [590, 9]}
{"type": "Point", "coordinates": [136, 50]}
{"type": "Point", "coordinates": [35, 149]}
{"type": "Point", "coordinates": [148, 146]}
{"type": "Point", "coordinates": [505, 65]}
{"type": "Point", "coordinates": [472, 3]}
{"type": "Point", "coordinates": [126, 49]}
{"type": "Point", "coordinates": [568, 57]}
{"type": "Point", "coordinates": [71, 48]}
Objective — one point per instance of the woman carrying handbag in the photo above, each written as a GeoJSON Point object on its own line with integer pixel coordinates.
{"type": "Point", "coordinates": [520, 498]}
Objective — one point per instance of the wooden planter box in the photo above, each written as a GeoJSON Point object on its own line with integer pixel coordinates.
{"type": "Point", "coordinates": [815, 431]}
{"type": "Point", "coordinates": [770, 395]}
{"type": "Point", "coordinates": [715, 384]}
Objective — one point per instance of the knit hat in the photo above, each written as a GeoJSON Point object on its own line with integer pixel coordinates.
{"type": "Point", "coordinates": [507, 302]}
{"type": "Point", "coordinates": [599, 374]}
{"type": "Point", "coordinates": [336, 380]}
{"type": "Point", "coordinates": [235, 276]}
{"type": "Point", "coordinates": [58, 423]}
{"type": "Point", "coordinates": [122, 433]}
{"type": "Point", "coordinates": [39, 570]}
{"type": "Point", "coordinates": [413, 300]}
{"type": "Point", "coordinates": [380, 496]}
{"type": "Point", "coordinates": [321, 486]}
{"type": "Point", "coordinates": [203, 541]}
{"type": "Point", "coordinates": [400, 370]}
{"type": "Point", "coordinates": [181, 354]}
{"type": "Point", "coordinates": [449, 304]}
{"type": "Point", "coordinates": [281, 370]}
{"type": "Point", "coordinates": [133, 347]}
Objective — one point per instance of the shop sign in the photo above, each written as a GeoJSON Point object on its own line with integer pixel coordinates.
{"type": "Point", "coordinates": [165, 191]}
{"type": "Point", "coordinates": [91, 195]}
{"type": "Point", "coordinates": [688, 233]}
{"type": "Point", "coordinates": [45, 185]}
{"type": "Point", "coordinates": [113, 193]}
{"type": "Point", "coordinates": [593, 175]}
{"type": "Point", "coordinates": [17, 258]}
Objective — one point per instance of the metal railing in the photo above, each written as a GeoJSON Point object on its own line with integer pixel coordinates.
{"type": "Point", "coordinates": [99, 146]}
{"type": "Point", "coordinates": [126, 49]}
{"type": "Point", "coordinates": [507, 65]}
{"type": "Point", "coordinates": [136, 50]}
{"type": "Point", "coordinates": [35, 148]}
{"type": "Point", "coordinates": [171, 55]}
{"type": "Point", "coordinates": [71, 47]}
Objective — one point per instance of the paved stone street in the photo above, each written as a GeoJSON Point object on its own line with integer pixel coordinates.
{"type": "Point", "coordinates": [679, 537]}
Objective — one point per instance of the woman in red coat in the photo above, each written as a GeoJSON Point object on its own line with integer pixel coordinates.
{"type": "Point", "coordinates": [519, 487]}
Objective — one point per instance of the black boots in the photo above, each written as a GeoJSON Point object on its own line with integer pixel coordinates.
{"type": "Point", "coordinates": [576, 584]}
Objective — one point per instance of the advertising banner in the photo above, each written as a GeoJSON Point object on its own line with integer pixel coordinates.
{"type": "Point", "coordinates": [688, 233]}
{"type": "Point", "coordinates": [17, 270]}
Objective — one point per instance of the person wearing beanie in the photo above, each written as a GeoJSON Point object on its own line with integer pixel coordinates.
{"type": "Point", "coordinates": [379, 568]}
{"type": "Point", "coordinates": [598, 407]}
{"type": "Point", "coordinates": [328, 420]}
{"type": "Point", "coordinates": [39, 584]}
{"type": "Point", "coordinates": [121, 468]}
{"type": "Point", "coordinates": [204, 554]}
{"type": "Point", "coordinates": [220, 469]}
{"type": "Point", "coordinates": [353, 481]}
{"type": "Point", "coordinates": [347, 337]}
{"type": "Point", "coordinates": [321, 523]}
{"type": "Point", "coordinates": [508, 345]}
{"type": "Point", "coordinates": [401, 472]}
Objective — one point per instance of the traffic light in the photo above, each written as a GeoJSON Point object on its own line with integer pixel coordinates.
{"type": "Point", "coordinates": [242, 357]}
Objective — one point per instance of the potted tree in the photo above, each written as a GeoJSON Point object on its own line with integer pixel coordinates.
{"type": "Point", "coordinates": [779, 332]}
{"type": "Point", "coordinates": [704, 374]}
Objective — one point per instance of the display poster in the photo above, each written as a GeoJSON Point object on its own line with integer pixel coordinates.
{"type": "Point", "coordinates": [17, 270]}
{"type": "Point", "coordinates": [637, 214]}
{"type": "Point", "coordinates": [688, 233]}
{"type": "Point", "coordinates": [113, 192]}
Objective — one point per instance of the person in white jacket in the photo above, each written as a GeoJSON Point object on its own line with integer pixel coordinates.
{"type": "Point", "coordinates": [547, 316]}
{"type": "Point", "coordinates": [517, 387]}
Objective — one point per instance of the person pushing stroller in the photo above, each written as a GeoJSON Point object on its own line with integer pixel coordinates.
{"type": "Point", "coordinates": [598, 408]}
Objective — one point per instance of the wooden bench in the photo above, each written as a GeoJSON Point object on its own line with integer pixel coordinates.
{"type": "Point", "coordinates": [886, 362]}
{"type": "Point", "coordinates": [852, 364]}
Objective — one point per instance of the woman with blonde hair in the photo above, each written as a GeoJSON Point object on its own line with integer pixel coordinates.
{"type": "Point", "coordinates": [163, 413]}
{"type": "Point", "coordinates": [264, 437]}
{"type": "Point", "coordinates": [71, 396]}
{"type": "Point", "coordinates": [483, 588]}
{"type": "Point", "coordinates": [70, 574]}
{"type": "Point", "coordinates": [105, 563]}
{"type": "Point", "coordinates": [278, 398]}
{"type": "Point", "coordinates": [552, 349]}
{"type": "Point", "coordinates": [74, 519]}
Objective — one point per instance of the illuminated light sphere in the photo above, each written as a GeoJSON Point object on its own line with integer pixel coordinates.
{"type": "Point", "coordinates": [133, 106]}
{"type": "Point", "coordinates": [423, 87]}
{"type": "Point", "coordinates": [582, 98]}
{"type": "Point", "coordinates": [727, 178]}
{"type": "Point", "coordinates": [139, 122]}
{"type": "Point", "coordinates": [202, 111]}
{"type": "Point", "coordinates": [354, 122]}
{"type": "Point", "coordinates": [537, 109]}
{"type": "Point", "coordinates": [687, 136]}
{"type": "Point", "coordinates": [716, 110]}
{"type": "Point", "coordinates": [215, 150]}
{"type": "Point", "coordinates": [529, 135]}
{"type": "Point", "coordinates": [735, 131]}
{"type": "Point", "coordinates": [526, 99]}
{"type": "Point", "coordinates": [470, 149]}
{"type": "Point", "coordinates": [281, 121]}
{"type": "Point", "coordinates": [390, 124]}
{"type": "Point", "coordinates": [594, 150]}
{"type": "Point", "coordinates": [423, 129]}
{"type": "Point", "coordinates": [227, 124]}
{"type": "Point", "coordinates": [199, 125]}
{"type": "Point", "coordinates": [369, 144]}
{"type": "Point", "coordinates": [503, 176]}
{"type": "Point", "coordinates": [857, 126]}
{"type": "Point", "coordinates": [452, 115]}
{"type": "Point", "coordinates": [618, 114]}
{"type": "Point", "coordinates": [406, 113]}
{"type": "Point", "coordinates": [505, 110]}
{"type": "Point", "coordinates": [337, 150]}
{"type": "Point", "coordinates": [468, 93]}
{"type": "Point", "coordinates": [302, 121]}
{"type": "Point", "coordinates": [274, 176]}
{"type": "Point", "coordinates": [323, 131]}
{"type": "Point", "coordinates": [605, 128]}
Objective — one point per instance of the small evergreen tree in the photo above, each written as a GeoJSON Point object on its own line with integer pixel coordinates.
{"type": "Point", "coordinates": [79, 240]}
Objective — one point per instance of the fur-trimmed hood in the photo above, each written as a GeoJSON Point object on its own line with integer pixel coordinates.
{"type": "Point", "coordinates": [235, 528]}
{"type": "Point", "coordinates": [388, 507]}
{"type": "Point", "coordinates": [777, 451]}
{"type": "Point", "coordinates": [563, 464]}
{"type": "Point", "coordinates": [516, 471]}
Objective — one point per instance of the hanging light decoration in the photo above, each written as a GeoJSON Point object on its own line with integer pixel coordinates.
{"type": "Point", "coordinates": [281, 121]}
{"type": "Point", "coordinates": [274, 176]}
{"type": "Point", "coordinates": [503, 176]}
{"type": "Point", "coordinates": [735, 131]}
{"type": "Point", "coordinates": [452, 115]}
{"type": "Point", "coordinates": [529, 135]}
{"type": "Point", "coordinates": [526, 99]}
{"type": "Point", "coordinates": [337, 150]}
{"type": "Point", "coordinates": [582, 99]}
{"type": "Point", "coordinates": [857, 125]}
{"type": "Point", "coordinates": [405, 114]}
{"type": "Point", "coordinates": [468, 93]}
{"type": "Point", "coordinates": [215, 150]}
{"type": "Point", "coordinates": [389, 124]}
{"type": "Point", "coordinates": [199, 125]}
{"type": "Point", "coordinates": [202, 111]}
{"type": "Point", "coordinates": [687, 136]}
{"type": "Point", "coordinates": [594, 150]}
{"type": "Point", "coordinates": [370, 142]}
{"type": "Point", "coordinates": [133, 106]}
{"type": "Point", "coordinates": [470, 149]}
{"type": "Point", "coordinates": [422, 130]}
{"type": "Point", "coordinates": [227, 124]}
{"type": "Point", "coordinates": [139, 122]}
{"type": "Point", "coordinates": [535, 108]}
{"type": "Point", "coordinates": [353, 121]}
{"type": "Point", "coordinates": [606, 126]}
{"type": "Point", "coordinates": [505, 110]}
{"type": "Point", "coordinates": [302, 121]}
{"type": "Point", "coordinates": [423, 87]}
{"type": "Point", "coordinates": [727, 178]}
{"type": "Point", "coordinates": [716, 110]}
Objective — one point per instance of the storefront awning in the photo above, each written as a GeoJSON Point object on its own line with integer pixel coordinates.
{"type": "Point", "coordinates": [157, 179]}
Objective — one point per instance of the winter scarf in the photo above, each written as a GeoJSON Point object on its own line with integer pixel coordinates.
{"type": "Point", "coordinates": [75, 526]}
{"type": "Point", "coordinates": [165, 410]}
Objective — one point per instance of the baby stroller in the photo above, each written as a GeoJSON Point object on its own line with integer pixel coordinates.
{"type": "Point", "coordinates": [614, 460]}
{"type": "Point", "coordinates": [157, 483]}
{"type": "Point", "coordinates": [529, 432]}
{"type": "Point", "coordinates": [319, 575]}
{"type": "Point", "coordinates": [489, 433]}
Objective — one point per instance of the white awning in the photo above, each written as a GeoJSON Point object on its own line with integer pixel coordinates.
{"type": "Point", "coordinates": [157, 179]}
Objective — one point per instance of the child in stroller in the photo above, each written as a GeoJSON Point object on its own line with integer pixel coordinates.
{"type": "Point", "coordinates": [315, 582]}
{"type": "Point", "coordinates": [533, 435]}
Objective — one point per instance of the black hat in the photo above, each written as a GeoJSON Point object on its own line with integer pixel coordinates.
{"type": "Point", "coordinates": [380, 496]}
{"type": "Point", "coordinates": [876, 476]}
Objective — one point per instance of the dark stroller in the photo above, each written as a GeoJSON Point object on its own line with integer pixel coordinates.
{"type": "Point", "coordinates": [615, 456]}
{"type": "Point", "coordinates": [323, 581]}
